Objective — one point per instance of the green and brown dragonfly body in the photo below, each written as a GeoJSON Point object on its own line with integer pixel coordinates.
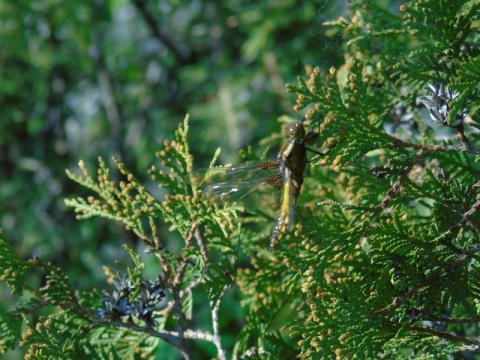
{"type": "Point", "coordinates": [263, 185]}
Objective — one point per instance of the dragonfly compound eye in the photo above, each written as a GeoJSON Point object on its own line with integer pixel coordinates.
{"type": "Point", "coordinates": [296, 130]}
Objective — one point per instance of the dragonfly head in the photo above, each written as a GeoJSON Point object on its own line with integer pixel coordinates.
{"type": "Point", "coordinates": [295, 130]}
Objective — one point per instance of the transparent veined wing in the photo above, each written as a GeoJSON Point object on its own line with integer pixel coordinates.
{"type": "Point", "coordinates": [253, 185]}
{"type": "Point", "coordinates": [249, 171]}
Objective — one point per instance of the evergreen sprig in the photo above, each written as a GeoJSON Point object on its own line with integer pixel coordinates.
{"type": "Point", "coordinates": [383, 259]}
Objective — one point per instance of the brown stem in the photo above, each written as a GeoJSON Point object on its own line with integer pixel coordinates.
{"type": "Point", "coordinates": [443, 335]}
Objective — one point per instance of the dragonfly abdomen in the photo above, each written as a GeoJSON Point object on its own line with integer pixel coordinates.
{"type": "Point", "coordinates": [290, 191]}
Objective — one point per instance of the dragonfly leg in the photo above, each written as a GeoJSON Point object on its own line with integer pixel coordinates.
{"type": "Point", "coordinates": [321, 153]}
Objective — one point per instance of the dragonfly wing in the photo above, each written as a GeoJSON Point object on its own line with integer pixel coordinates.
{"type": "Point", "coordinates": [260, 194]}
{"type": "Point", "coordinates": [253, 185]}
{"type": "Point", "coordinates": [249, 171]}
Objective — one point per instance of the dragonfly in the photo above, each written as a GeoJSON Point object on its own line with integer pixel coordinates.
{"type": "Point", "coordinates": [262, 185]}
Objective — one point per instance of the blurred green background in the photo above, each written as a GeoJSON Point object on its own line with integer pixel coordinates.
{"type": "Point", "coordinates": [82, 79]}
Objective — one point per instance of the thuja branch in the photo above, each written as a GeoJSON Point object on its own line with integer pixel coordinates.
{"type": "Point", "coordinates": [435, 276]}
{"type": "Point", "coordinates": [452, 264]}
{"type": "Point", "coordinates": [446, 268]}
{"type": "Point", "coordinates": [466, 218]}
{"type": "Point", "coordinates": [172, 337]}
{"type": "Point", "coordinates": [56, 291]}
{"type": "Point", "coordinates": [396, 187]}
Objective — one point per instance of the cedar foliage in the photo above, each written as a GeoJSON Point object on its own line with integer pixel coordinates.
{"type": "Point", "coordinates": [383, 260]}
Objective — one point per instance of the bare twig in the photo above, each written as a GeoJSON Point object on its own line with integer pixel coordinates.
{"type": "Point", "coordinates": [184, 262]}
{"type": "Point", "coordinates": [465, 147]}
{"type": "Point", "coordinates": [443, 335]}
{"type": "Point", "coordinates": [171, 305]}
{"type": "Point", "coordinates": [201, 244]}
{"type": "Point", "coordinates": [158, 34]}
{"type": "Point", "coordinates": [216, 326]}
{"type": "Point", "coordinates": [450, 320]}
{"type": "Point", "coordinates": [111, 107]}
{"type": "Point", "coordinates": [472, 348]}
{"type": "Point", "coordinates": [177, 283]}
{"type": "Point", "coordinates": [463, 138]}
